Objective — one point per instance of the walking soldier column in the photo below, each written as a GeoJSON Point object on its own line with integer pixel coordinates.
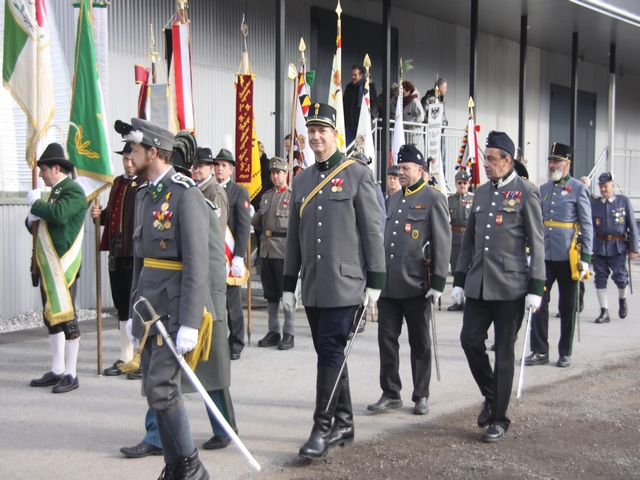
{"type": "Point", "coordinates": [615, 239]}
{"type": "Point", "coordinates": [566, 212]}
{"type": "Point", "coordinates": [417, 218]}
{"type": "Point", "coordinates": [334, 241]}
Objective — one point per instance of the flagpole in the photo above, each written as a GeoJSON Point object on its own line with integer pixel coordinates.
{"type": "Point", "coordinates": [96, 222]}
{"type": "Point", "coordinates": [35, 270]}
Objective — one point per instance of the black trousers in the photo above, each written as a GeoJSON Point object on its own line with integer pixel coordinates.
{"type": "Point", "coordinates": [560, 271]}
{"type": "Point", "coordinates": [271, 270]}
{"type": "Point", "coordinates": [330, 328]}
{"type": "Point", "coordinates": [120, 280]}
{"type": "Point", "coordinates": [495, 384]}
{"type": "Point", "coordinates": [235, 318]}
{"type": "Point", "coordinates": [390, 314]}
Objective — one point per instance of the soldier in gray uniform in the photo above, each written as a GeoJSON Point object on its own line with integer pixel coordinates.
{"type": "Point", "coordinates": [170, 241]}
{"type": "Point", "coordinates": [272, 219]}
{"type": "Point", "coordinates": [334, 241]}
{"type": "Point", "coordinates": [566, 211]}
{"type": "Point", "coordinates": [417, 228]}
{"type": "Point", "coordinates": [202, 174]}
{"type": "Point", "coordinates": [240, 226]}
{"type": "Point", "coordinates": [460, 204]}
{"type": "Point", "coordinates": [498, 281]}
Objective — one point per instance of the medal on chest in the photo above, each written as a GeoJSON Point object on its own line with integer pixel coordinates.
{"type": "Point", "coordinates": [337, 184]}
{"type": "Point", "coordinates": [162, 218]}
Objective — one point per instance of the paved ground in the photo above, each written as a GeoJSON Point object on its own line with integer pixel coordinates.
{"type": "Point", "coordinates": [77, 435]}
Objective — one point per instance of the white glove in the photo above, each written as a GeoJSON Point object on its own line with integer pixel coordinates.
{"type": "Point", "coordinates": [585, 269]}
{"type": "Point", "coordinates": [458, 295]}
{"type": "Point", "coordinates": [533, 301]}
{"type": "Point", "coordinates": [435, 294]}
{"type": "Point", "coordinates": [187, 339]}
{"type": "Point", "coordinates": [371, 295]}
{"type": "Point", "coordinates": [252, 210]}
{"type": "Point", "coordinates": [130, 336]}
{"type": "Point", "coordinates": [289, 301]}
{"type": "Point", "coordinates": [237, 266]}
{"type": "Point", "coordinates": [33, 195]}
{"type": "Point", "coordinates": [32, 218]}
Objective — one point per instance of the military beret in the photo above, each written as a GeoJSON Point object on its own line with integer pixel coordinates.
{"type": "Point", "coordinates": [560, 152]}
{"type": "Point", "coordinates": [322, 114]}
{"type": "Point", "coordinates": [277, 163]}
{"type": "Point", "coordinates": [393, 170]}
{"type": "Point", "coordinates": [125, 149]}
{"type": "Point", "coordinates": [204, 155]}
{"type": "Point", "coordinates": [462, 175]}
{"type": "Point", "coordinates": [145, 133]}
{"type": "Point", "coordinates": [225, 155]}
{"type": "Point", "coordinates": [54, 155]}
{"type": "Point", "coordinates": [500, 140]}
{"type": "Point", "coordinates": [605, 177]}
{"type": "Point", "coordinates": [409, 153]}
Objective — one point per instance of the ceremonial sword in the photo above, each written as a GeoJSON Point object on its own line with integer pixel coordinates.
{"type": "Point", "coordinates": [432, 315]}
{"type": "Point", "coordinates": [524, 350]}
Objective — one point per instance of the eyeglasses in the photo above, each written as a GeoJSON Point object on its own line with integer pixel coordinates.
{"type": "Point", "coordinates": [461, 183]}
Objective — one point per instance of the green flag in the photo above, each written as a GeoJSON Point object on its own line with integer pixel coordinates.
{"type": "Point", "coordinates": [87, 143]}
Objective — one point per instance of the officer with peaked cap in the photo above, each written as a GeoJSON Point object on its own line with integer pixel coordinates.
{"type": "Point", "coordinates": [202, 174]}
{"type": "Point", "coordinates": [494, 273]}
{"type": "Point", "coordinates": [240, 227]}
{"type": "Point", "coordinates": [272, 219]}
{"type": "Point", "coordinates": [417, 227]}
{"type": "Point", "coordinates": [566, 211]}
{"type": "Point", "coordinates": [393, 185]}
{"type": "Point", "coordinates": [460, 204]}
{"type": "Point", "coordinates": [60, 225]}
{"type": "Point", "coordinates": [170, 243]}
{"type": "Point", "coordinates": [334, 242]}
{"type": "Point", "coordinates": [615, 239]}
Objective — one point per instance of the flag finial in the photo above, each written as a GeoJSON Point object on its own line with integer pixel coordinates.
{"type": "Point", "coordinates": [338, 9]}
{"type": "Point", "coordinates": [367, 62]}
{"type": "Point", "coordinates": [302, 47]}
{"type": "Point", "coordinates": [471, 104]}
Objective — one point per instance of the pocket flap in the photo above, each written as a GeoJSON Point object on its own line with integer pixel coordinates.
{"type": "Point", "coordinates": [173, 290]}
{"type": "Point", "coordinates": [351, 270]}
{"type": "Point", "coordinates": [343, 195]}
{"type": "Point", "coordinates": [416, 215]}
{"type": "Point", "coordinates": [513, 266]}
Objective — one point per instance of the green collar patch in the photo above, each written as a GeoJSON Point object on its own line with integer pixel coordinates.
{"type": "Point", "coordinates": [330, 162]}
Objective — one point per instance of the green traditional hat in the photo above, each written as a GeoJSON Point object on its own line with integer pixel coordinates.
{"type": "Point", "coordinates": [226, 155]}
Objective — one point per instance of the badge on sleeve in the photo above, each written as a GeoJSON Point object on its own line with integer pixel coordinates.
{"type": "Point", "coordinates": [246, 205]}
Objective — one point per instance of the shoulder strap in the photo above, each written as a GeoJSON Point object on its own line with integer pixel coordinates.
{"type": "Point", "coordinates": [324, 182]}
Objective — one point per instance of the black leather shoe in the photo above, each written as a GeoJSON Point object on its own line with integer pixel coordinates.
{"type": "Point", "coordinates": [66, 384]}
{"type": "Point", "coordinates": [581, 303]}
{"type": "Point", "coordinates": [485, 414]}
{"type": "Point", "coordinates": [623, 310]}
{"type": "Point", "coordinates": [493, 347]}
{"type": "Point", "coordinates": [456, 307]}
{"type": "Point", "coordinates": [537, 359]}
{"type": "Point", "coordinates": [48, 379]}
{"type": "Point", "coordinates": [137, 375]}
{"type": "Point", "coordinates": [286, 343]}
{"type": "Point", "coordinates": [564, 361]}
{"type": "Point", "coordinates": [217, 442]}
{"type": "Point", "coordinates": [558, 315]}
{"type": "Point", "coordinates": [168, 473]}
{"type": "Point", "coordinates": [385, 403]}
{"type": "Point", "coordinates": [604, 316]}
{"type": "Point", "coordinates": [363, 324]}
{"type": "Point", "coordinates": [113, 370]}
{"type": "Point", "coordinates": [494, 433]}
{"type": "Point", "coordinates": [191, 468]}
{"type": "Point", "coordinates": [271, 339]}
{"type": "Point", "coordinates": [143, 449]}
{"type": "Point", "coordinates": [421, 408]}
{"type": "Point", "coordinates": [234, 354]}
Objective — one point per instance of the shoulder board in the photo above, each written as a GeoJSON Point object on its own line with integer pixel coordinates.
{"type": "Point", "coordinates": [436, 189]}
{"type": "Point", "coordinates": [183, 180]}
{"type": "Point", "coordinates": [212, 205]}
{"type": "Point", "coordinates": [144, 185]}
{"type": "Point", "coordinates": [525, 178]}
{"type": "Point", "coordinates": [470, 194]}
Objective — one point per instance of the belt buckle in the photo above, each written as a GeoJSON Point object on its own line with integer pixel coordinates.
{"type": "Point", "coordinates": [609, 237]}
{"type": "Point", "coordinates": [268, 233]}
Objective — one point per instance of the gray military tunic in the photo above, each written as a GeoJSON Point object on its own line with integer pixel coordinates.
{"type": "Point", "coordinates": [273, 217]}
{"type": "Point", "coordinates": [213, 192]}
{"type": "Point", "coordinates": [459, 210]}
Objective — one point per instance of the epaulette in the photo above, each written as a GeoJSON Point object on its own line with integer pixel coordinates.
{"type": "Point", "coordinates": [144, 185]}
{"type": "Point", "coordinates": [436, 189]}
{"type": "Point", "coordinates": [525, 178]}
{"type": "Point", "coordinates": [212, 205]}
{"type": "Point", "coordinates": [183, 180]}
{"type": "Point", "coordinates": [471, 193]}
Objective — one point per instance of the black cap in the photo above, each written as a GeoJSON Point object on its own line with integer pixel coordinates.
{"type": "Point", "coordinates": [393, 170]}
{"type": "Point", "coordinates": [409, 153]}
{"type": "Point", "coordinates": [145, 133]}
{"type": "Point", "coordinates": [226, 155]}
{"type": "Point", "coordinates": [125, 149]}
{"type": "Point", "coordinates": [605, 177]}
{"type": "Point", "coordinates": [562, 152]}
{"type": "Point", "coordinates": [322, 114]}
{"type": "Point", "coordinates": [184, 152]}
{"type": "Point", "coordinates": [500, 140]}
{"type": "Point", "coordinates": [361, 158]}
{"type": "Point", "coordinates": [54, 155]}
{"type": "Point", "coordinates": [204, 155]}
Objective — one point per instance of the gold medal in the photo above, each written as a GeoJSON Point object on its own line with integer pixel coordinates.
{"type": "Point", "coordinates": [167, 224]}
{"type": "Point", "coordinates": [156, 223]}
{"type": "Point", "coordinates": [334, 189]}
{"type": "Point", "coordinates": [160, 227]}
{"type": "Point", "coordinates": [339, 189]}
{"type": "Point", "coordinates": [512, 202]}
{"type": "Point", "coordinates": [163, 245]}
{"type": "Point", "coordinates": [165, 206]}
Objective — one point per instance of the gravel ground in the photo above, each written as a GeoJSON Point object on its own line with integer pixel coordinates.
{"type": "Point", "coordinates": [33, 319]}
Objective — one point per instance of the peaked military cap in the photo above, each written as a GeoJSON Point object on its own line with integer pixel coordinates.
{"type": "Point", "coordinates": [605, 177]}
{"type": "Point", "coordinates": [277, 163]}
{"type": "Point", "coordinates": [502, 141]}
{"type": "Point", "coordinates": [322, 114]}
{"type": "Point", "coordinates": [125, 149]}
{"type": "Point", "coordinates": [145, 133]}
{"type": "Point", "coordinates": [204, 155]}
{"type": "Point", "coordinates": [226, 155]}
{"type": "Point", "coordinates": [54, 155]}
{"type": "Point", "coordinates": [393, 170]}
{"type": "Point", "coordinates": [561, 152]}
{"type": "Point", "coordinates": [409, 153]}
{"type": "Point", "coordinates": [462, 175]}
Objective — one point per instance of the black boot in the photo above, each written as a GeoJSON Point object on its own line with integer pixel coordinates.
{"type": "Point", "coordinates": [604, 316]}
{"type": "Point", "coordinates": [191, 468]}
{"type": "Point", "coordinates": [168, 473]}
{"type": "Point", "coordinates": [342, 431]}
{"type": "Point", "coordinates": [318, 444]}
{"type": "Point", "coordinates": [623, 310]}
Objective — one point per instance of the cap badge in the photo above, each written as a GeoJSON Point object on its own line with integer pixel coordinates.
{"type": "Point", "coordinates": [157, 141]}
{"type": "Point", "coordinates": [317, 107]}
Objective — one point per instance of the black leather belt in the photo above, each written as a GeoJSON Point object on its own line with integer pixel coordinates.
{"type": "Point", "coordinates": [269, 233]}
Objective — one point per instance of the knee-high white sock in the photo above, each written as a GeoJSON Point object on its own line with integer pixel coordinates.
{"type": "Point", "coordinates": [71, 356]}
{"type": "Point", "coordinates": [57, 352]}
{"type": "Point", "coordinates": [602, 297]}
{"type": "Point", "coordinates": [622, 292]}
{"type": "Point", "coordinates": [126, 348]}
